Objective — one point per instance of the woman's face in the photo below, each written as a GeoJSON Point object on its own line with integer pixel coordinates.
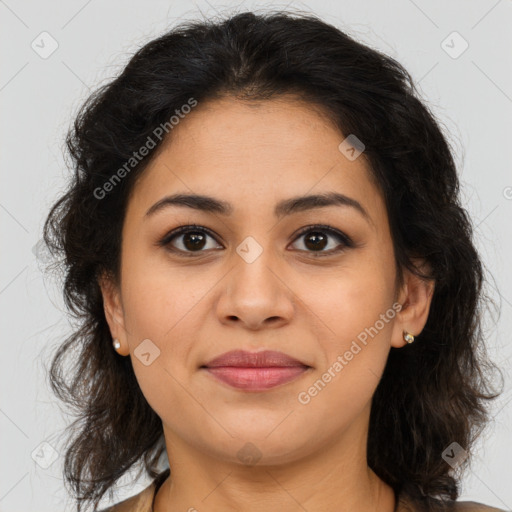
{"type": "Point", "coordinates": [252, 281]}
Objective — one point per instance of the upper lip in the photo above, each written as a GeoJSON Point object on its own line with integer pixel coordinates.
{"type": "Point", "coordinates": [243, 358]}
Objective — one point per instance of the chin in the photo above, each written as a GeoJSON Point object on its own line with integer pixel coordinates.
{"type": "Point", "coordinates": [261, 446]}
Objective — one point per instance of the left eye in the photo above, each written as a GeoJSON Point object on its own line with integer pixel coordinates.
{"type": "Point", "coordinates": [317, 239]}
{"type": "Point", "coordinates": [193, 239]}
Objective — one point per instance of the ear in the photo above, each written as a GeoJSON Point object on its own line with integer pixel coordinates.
{"type": "Point", "coordinates": [114, 313]}
{"type": "Point", "coordinates": [415, 297]}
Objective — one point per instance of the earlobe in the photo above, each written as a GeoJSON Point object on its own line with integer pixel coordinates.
{"type": "Point", "coordinates": [416, 298]}
{"type": "Point", "coordinates": [112, 307]}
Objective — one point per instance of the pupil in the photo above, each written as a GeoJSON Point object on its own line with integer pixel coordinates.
{"type": "Point", "coordinates": [195, 240]}
{"type": "Point", "coordinates": [317, 237]}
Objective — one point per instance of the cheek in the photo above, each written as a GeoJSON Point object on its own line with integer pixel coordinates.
{"type": "Point", "coordinates": [159, 316]}
{"type": "Point", "coordinates": [156, 296]}
{"type": "Point", "coordinates": [355, 346]}
{"type": "Point", "coordinates": [354, 299]}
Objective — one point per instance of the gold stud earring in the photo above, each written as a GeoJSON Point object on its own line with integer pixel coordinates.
{"type": "Point", "coordinates": [117, 344]}
{"type": "Point", "coordinates": [408, 337]}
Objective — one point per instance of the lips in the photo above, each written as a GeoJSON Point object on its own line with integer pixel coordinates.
{"type": "Point", "coordinates": [244, 359]}
{"type": "Point", "coordinates": [255, 371]}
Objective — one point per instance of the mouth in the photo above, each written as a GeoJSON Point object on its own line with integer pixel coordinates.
{"type": "Point", "coordinates": [255, 371]}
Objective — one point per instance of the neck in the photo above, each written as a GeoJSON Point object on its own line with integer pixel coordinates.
{"type": "Point", "coordinates": [336, 477]}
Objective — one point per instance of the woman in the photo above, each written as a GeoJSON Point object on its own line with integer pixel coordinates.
{"type": "Point", "coordinates": [276, 283]}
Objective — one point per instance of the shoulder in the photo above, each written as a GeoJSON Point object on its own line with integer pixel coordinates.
{"type": "Point", "coordinates": [473, 506]}
{"type": "Point", "coordinates": [407, 504]}
{"type": "Point", "coordinates": [141, 502]}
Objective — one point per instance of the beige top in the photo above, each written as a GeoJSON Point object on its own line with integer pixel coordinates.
{"type": "Point", "coordinates": [143, 502]}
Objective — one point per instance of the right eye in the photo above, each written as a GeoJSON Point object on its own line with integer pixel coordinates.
{"type": "Point", "coordinates": [193, 239]}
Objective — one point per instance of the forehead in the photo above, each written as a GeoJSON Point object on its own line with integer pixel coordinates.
{"type": "Point", "coordinates": [253, 154]}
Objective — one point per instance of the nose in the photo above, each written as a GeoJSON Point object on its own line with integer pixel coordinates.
{"type": "Point", "coordinates": [255, 294]}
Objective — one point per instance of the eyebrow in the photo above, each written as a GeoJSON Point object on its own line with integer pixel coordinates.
{"type": "Point", "coordinates": [286, 207]}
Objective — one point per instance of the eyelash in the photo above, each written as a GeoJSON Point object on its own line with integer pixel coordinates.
{"type": "Point", "coordinates": [346, 242]}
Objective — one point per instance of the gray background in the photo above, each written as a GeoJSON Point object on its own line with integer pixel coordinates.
{"type": "Point", "coordinates": [471, 95]}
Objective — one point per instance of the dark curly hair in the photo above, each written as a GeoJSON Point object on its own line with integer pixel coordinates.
{"type": "Point", "coordinates": [431, 393]}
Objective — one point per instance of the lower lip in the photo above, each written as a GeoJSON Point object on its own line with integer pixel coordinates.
{"type": "Point", "coordinates": [256, 379]}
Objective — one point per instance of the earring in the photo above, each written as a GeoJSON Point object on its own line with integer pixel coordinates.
{"type": "Point", "coordinates": [408, 337]}
{"type": "Point", "coordinates": [117, 344]}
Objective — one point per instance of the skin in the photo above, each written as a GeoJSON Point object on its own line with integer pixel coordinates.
{"type": "Point", "coordinates": [313, 456]}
